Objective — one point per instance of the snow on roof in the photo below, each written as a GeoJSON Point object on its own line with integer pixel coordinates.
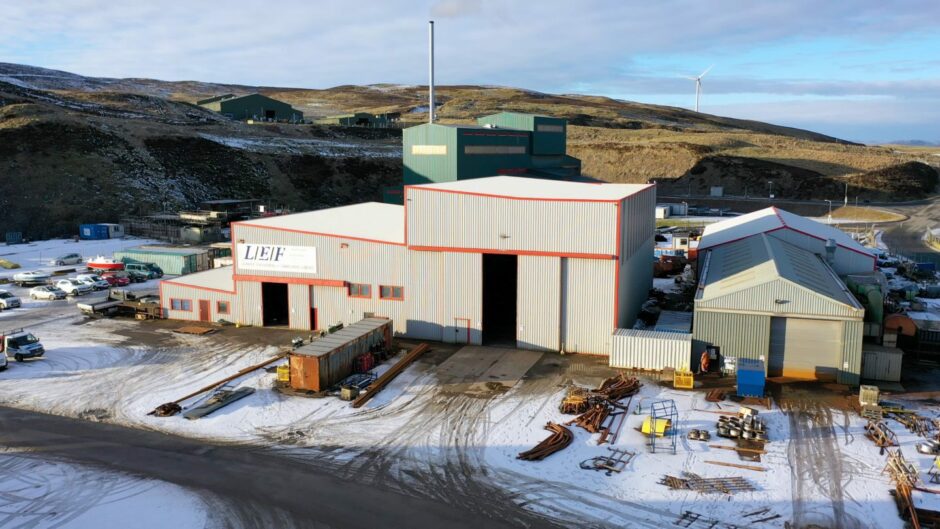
{"type": "Point", "coordinates": [215, 278]}
{"type": "Point", "coordinates": [536, 188]}
{"type": "Point", "coordinates": [925, 320]}
{"type": "Point", "coordinates": [371, 221]}
{"type": "Point", "coordinates": [772, 218]}
{"type": "Point", "coordinates": [754, 261]}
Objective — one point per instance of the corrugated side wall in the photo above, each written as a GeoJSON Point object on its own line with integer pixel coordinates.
{"type": "Point", "coordinates": [506, 224]}
{"type": "Point", "coordinates": [463, 297]}
{"type": "Point", "coordinates": [638, 220]}
{"type": "Point", "coordinates": [298, 297]}
{"type": "Point", "coordinates": [538, 300]}
{"type": "Point", "coordinates": [248, 303]}
{"type": "Point", "coordinates": [335, 306]}
{"type": "Point", "coordinates": [630, 349]}
{"type": "Point", "coordinates": [846, 261]}
{"type": "Point", "coordinates": [425, 298]}
{"type": "Point", "coordinates": [587, 305]}
{"type": "Point", "coordinates": [738, 335]}
{"type": "Point", "coordinates": [636, 279]}
{"type": "Point", "coordinates": [171, 291]}
{"type": "Point", "coordinates": [427, 168]}
{"type": "Point", "coordinates": [851, 353]}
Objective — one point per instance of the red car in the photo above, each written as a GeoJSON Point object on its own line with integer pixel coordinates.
{"type": "Point", "coordinates": [116, 279]}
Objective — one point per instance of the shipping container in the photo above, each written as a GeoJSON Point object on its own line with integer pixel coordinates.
{"type": "Point", "coordinates": [325, 362]}
{"type": "Point", "coordinates": [94, 231]}
{"type": "Point", "coordinates": [173, 261]}
{"type": "Point", "coordinates": [653, 350]}
{"type": "Point", "coordinates": [881, 363]}
{"type": "Point", "coordinates": [14, 237]}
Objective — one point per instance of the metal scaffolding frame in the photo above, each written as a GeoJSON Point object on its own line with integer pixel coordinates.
{"type": "Point", "coordinates": [664, 410]}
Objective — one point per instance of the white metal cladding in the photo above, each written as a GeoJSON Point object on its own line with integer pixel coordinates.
{"type": "Point", "coordinates": [636, 279]}
{"type": "Point", "coordinates": [298, 301]}
{"type": "Point", "coordinates": [171, 291]}
{"type": "Point", "coordinates": [587, 305]}
{"type": "Point", "coordinates": [846, 261]}
{"type": "Point", "coordinates": [782, 298]}
{"type": "Point", "coordinates": [642, 349]}
{"type": "Point", "coordinates": [881, 363]}
{"type": "Point", "coordinates": [334, 306]}
{"type": "Point", "coordinates": [538, 301]}
{"type": "Point", "coordinates": [738, 335]}
{"type": "Point", "coordinates": [463, 297]}
{"type": "Point", "coordinates": [248, 303]}
{"type": "Point", "coordinates": [638, 220]}
{"type": "Point", "coordinates": [456, 220]}
{"type": "Point", "coordinates": [424, 295]}
{"type": "Point", "coordinates": [339, 259]}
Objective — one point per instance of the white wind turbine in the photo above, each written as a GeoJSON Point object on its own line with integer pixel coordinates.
{"type": "Point", "coordinates": [698, 85]}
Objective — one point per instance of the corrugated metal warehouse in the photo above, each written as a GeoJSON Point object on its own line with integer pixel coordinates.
{"type": "Point", "coordinates": [552, 266]}
{"type": "Point", "coordinates": [764, 298]}
{"type": "Point", "coordinates": [252, 106]}
{"type": "Point", "coordinates": [849, 257]}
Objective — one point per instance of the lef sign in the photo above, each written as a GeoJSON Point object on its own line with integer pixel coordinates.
{"type": "Point", "coordinates": [277, 258]}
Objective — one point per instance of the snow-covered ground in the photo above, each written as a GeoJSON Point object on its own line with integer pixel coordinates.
{"type": "Point", "coordinates": [329, 148]}
{"type": "Point", "coordinates": [43, 493]}
{"type": "Point", "coordinates": [42, 254]}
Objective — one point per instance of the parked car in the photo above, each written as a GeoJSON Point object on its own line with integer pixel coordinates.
{"type": "Point", "coordinates": [35, 277]}
{"type": "Point", "coordinates": [153, 271]}
{"type": "Point", "coordinates": [117, 279]}
{"type": "Point", "coordinates": [20, 345]}
{"type": "Point", "coordinates": [94, 280]}
{"type": "Point", "coordinates": [74, 287]}
{"type": "Point", "coordinates": [137, 276]}
{"type": "Point", "coordinates": [8, 301]}
{"type": "Point", "coordinates": [67, 259]}
{"type": "Point", "coordinates": [46, 292]}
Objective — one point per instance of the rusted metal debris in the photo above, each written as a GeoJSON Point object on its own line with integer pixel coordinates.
{"type": "Point", "coordinates": [879, 433]}
{"type": "Point", "coordinates": [390, 374]}
{"type": "Point", "coordinates": [576, 401]}
{"type": "Point", "coordinates": [615, 462]}
{"type": "Point", "coordinates": [561, 437]}
{"type": "Point", "coordinates": [715, 395]}
{"type": "Point", "coordinates": [618, 387]}
{"type": "Point", "coordinates": [592, 419]}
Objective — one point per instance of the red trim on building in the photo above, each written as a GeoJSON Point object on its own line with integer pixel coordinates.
{"type": "Point", "coordinates": [181, 300]}
{"type": "Point", "coordinates": [304, 232]}
{"type": "Point", "coordinates": [218, 307]}
{"type": "Point", "coordinates": [291, 280]}
{"type": "Point", "coordinates": [392, 297]}
{"type": "Point", "coordinates": [619, 264]}
{"type": "Point", "coordinates": [535, 199]}
{"type": "Point", "coordinates": [349, 293]}
{"type": "Point", "coordinates": [404, 203]}
{"type": "Point", "coordinates": [512, 252]}
{"type": "Point", "coordinates": [170, 282]}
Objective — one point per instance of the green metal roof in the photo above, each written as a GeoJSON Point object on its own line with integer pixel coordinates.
{"type": "Point", "coordinates": [759, 260]}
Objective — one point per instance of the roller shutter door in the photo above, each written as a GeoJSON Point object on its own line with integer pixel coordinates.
{"type": "Point", "coordinates": [804, 348]}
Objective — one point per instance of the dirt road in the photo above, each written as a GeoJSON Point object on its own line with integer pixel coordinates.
{"type": "Point", "coordinates": [248, 487]}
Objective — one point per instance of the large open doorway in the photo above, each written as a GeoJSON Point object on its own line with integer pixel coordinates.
{"type": "Point", "coordinates": [274, 304]}
{"type": "Point", "coordinates": [499, 299]}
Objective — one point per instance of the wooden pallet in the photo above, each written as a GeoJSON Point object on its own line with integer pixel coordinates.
{"type": "Point", "coordinates": [192, 329]}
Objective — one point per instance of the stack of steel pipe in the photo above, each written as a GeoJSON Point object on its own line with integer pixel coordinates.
{"type": "Point", "coordinates": [593, 419]}
{"type": "Point", "coordinates": [618, 387]}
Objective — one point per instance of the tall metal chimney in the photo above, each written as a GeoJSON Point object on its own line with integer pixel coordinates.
{"type": "Point", "coordinates": [431, 71]}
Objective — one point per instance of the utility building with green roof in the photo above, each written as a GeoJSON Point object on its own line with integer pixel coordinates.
{"type": "Point", "coordinates": [506, 143]}
{"type": "Point", "coordinates": [252, 106]}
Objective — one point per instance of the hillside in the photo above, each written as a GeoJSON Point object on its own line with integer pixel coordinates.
{"type": "Point", "coordinates": [70, 145]}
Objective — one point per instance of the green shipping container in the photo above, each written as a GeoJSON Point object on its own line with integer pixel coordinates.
{"type": "Point", "coordinates": [171, 261]}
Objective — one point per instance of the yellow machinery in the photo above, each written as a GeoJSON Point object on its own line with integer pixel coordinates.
{"type": "Point", "coordinates": [662, 425]}
{"type": "Point", "coordinates": [683, 380]}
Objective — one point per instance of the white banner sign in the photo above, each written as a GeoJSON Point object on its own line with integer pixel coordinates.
{"type": "Point", "coordinates": [277, 258]}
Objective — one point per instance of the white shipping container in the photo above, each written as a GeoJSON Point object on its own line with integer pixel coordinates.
{"type": "Point", "coordinates": [655, 350]}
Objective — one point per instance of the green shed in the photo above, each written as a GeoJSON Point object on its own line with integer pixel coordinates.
{"type": "Point", "coordinates": [549, 135]}
{"type": "Point", "coordinates": [252, 106]}
{"type": "Point", "coordinates": [358, 119]}
{"type": "Point", "coordinates": [443, 153]}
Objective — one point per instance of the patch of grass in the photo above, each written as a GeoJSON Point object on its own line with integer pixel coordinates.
{"type": "Point", "coordinates": [866, 214]}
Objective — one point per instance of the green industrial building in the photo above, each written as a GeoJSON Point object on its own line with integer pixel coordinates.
{"type": "Point", "coordinates": [252, 106]}
{"type": "Point", "coordinates": [506, 143]}
{"type": "Point", "coordinates": [358, 119]}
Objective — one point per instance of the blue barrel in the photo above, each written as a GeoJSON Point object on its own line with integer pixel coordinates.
{"type": "Point", "coordinates": [751, 377]}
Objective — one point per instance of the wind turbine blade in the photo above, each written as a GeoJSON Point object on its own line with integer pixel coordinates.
{"type": "Point", "coordinates": [689, 77]}
{"type": "Point", "coordinates": [706, 71]}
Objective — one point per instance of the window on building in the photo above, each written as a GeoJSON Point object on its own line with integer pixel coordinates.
{"type": "Point", "coordinates": [549, 128]}
{"type": "Point", "coordinates": [391, 292]}
{"type": "Point", "coordinates": [429, 150]}
{"type": "Point", "coordinates": [360, 290]}
{"type": "Point", "coordinates": [494, 149]}
{"type": "Point", "coordinates": [181, 304]}
{"type": "Point", "coordinates": [222, 307]}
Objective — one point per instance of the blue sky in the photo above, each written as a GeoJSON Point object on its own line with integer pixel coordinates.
{"type": "Point", "coordinates": [862, 70]}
